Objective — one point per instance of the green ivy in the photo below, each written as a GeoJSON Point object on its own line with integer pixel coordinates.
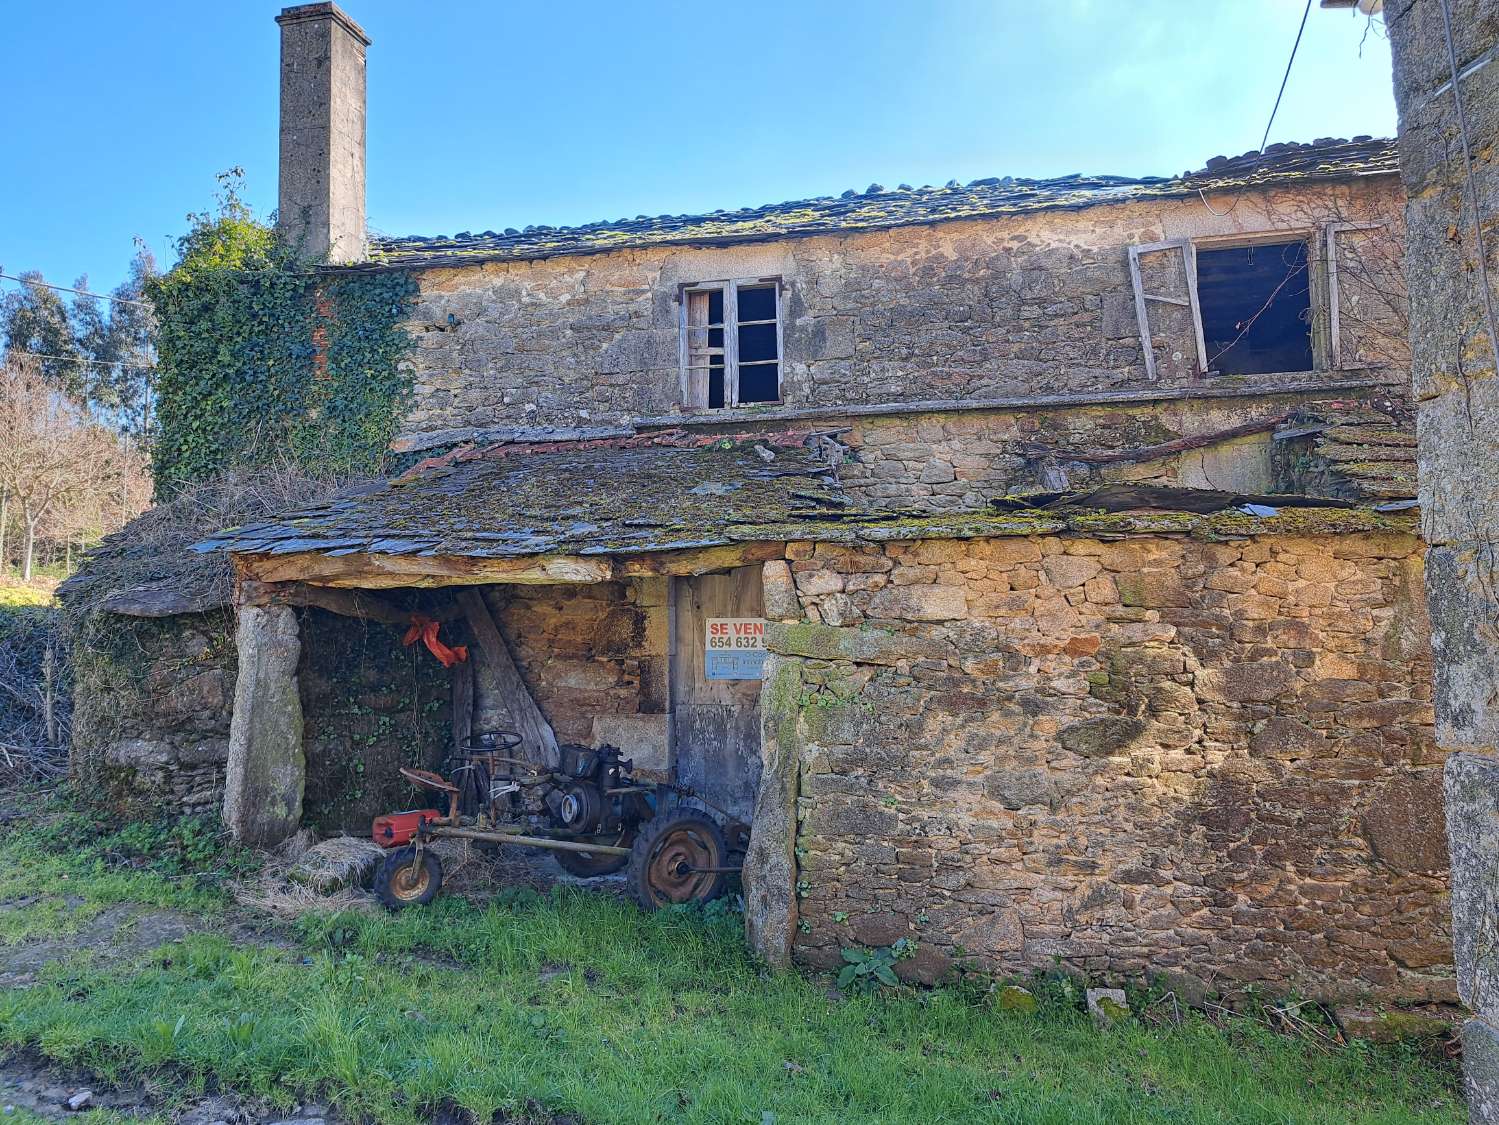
{"type": "Point", "coordinates": [240, 382]}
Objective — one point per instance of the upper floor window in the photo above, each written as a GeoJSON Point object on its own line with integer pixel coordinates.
{"type": "Point", "coordinates": [731, 343]}
{"type": "Point", "coordinates": [1256, 308]}
{"type": "Point", "coordinates": [1248, 303]}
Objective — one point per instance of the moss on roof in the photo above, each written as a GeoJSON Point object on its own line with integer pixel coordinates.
{"type": "Point", "coordinates": [879, 208]}
{"type": "Point", "coordinates": [638, 496]}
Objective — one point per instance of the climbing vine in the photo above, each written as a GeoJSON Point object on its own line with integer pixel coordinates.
{"type": "Point", "coordinates": [262, 359]}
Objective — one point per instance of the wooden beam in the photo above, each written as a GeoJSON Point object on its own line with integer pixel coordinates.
{"type": "Point", "coordinates": [530, 723]}
{"type": "Point", "coordinates": [701, 560]}
{"type": "Point", "coordinates": [1165, 448]}
{"type": "Point", "coordinates": [376, 572]}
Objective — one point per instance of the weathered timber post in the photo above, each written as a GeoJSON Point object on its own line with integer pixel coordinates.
{"type": "Point", "coordinates": [267, 767]}
{"type": "Point", "coordinates": [1447, 93]}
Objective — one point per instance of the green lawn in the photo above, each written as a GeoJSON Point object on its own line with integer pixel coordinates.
{"type": "Point", "coordinates": [575, 1004]}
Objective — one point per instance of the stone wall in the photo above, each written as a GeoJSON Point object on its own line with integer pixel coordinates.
{"type": "Point", "coordinates": [1142, 754]}
{"type": "Point", "coordinates": [152, 699]}
{"type": "Point", "coordinates": [595, 659]}
{"type": "Point", "coordinates": [1036, 304]}
{"type": "Point", "coordinates": [1457, 390]}
{"type": "Point", "coordinates": [963, 459]}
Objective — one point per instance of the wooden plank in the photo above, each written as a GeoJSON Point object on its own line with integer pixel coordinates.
{"type": "Point", "coordinates": [374, 571]}
{"type": "Point", "coordinates": [701, 560]}
{"type": "Point", "coordinates": [715, 729]}
{"type": "Point", "coordinates": [1334, 300]}
{"type": "Point", "coordinates": [1189, 261]}
{"type": "Point", "coordinates": [695, 335]}
{"type": "Point", "coordinates": [536, 733]}
{"type": "Point", "coordinates": [1142, 314]}
{"type": "Point", "coordinates": [731, 344]}
{"type": "Point", "coordinates": [377, 572]}
{"type": "Point", "coordinates": [161, 599]}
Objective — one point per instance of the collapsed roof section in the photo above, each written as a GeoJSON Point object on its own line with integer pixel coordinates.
{"type": "Point", "coordinates": [879, 208]}
{"type": "Point", "coordinates": [1360, 450]}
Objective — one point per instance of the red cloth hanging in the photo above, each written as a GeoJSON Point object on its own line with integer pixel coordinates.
{"type": "Point", "coordinates": [424, 629]}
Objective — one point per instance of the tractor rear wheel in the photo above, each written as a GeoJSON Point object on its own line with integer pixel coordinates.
{"type": "Point", "coordinates": [408, 878]}
{"type": "Point", "coordinates": [677, 858]}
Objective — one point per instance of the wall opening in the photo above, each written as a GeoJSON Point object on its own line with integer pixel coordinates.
{"type": "Point", "coordinates": [1256, 308]}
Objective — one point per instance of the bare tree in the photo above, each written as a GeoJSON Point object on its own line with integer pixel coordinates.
{"type": "Point", "coordinates": [61, 468]}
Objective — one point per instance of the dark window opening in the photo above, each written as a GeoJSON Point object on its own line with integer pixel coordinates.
{"type": "Point", "coordinates": [1256, 305]}
{"type": "Point", "coordinates": [759, 358]}
{"type": "Point", "coordinates": [715, 349]}
{"type": "Point", "coordinates": [731, 336]}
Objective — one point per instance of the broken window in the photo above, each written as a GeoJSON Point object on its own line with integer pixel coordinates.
{"type": "Point", "coordinates": [1256, 307]}
{"type": "Point", "coordinates": [731, 343]}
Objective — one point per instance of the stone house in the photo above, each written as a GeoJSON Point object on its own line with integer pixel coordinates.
{"type": "Point", "coordinates": [1078, 512]}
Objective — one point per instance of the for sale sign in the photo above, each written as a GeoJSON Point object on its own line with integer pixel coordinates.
{"type": "Point", "coordinates": [735, 648]}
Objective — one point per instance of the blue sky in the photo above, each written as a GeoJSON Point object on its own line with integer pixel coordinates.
{"type": "Point", "coordinates": [487, 115]}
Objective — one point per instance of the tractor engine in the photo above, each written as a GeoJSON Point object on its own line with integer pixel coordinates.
{"type": "Point", "coordinates": [582, 803]}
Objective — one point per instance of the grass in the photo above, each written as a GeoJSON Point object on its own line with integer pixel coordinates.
{"type": "Point", "coordinates": [580, 1004]}
{"type": "Point", "coordinates": [14, 592]}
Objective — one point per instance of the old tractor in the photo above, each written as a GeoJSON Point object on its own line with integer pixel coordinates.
{"type": "Point", "coordinates": [590, 810]}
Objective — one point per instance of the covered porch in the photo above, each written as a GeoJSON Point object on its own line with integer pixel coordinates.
{"type": "Point", "coordinates": [570, 588]}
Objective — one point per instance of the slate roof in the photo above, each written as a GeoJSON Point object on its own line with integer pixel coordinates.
{"type": "Point", "coordinates": [879, 208]}
{"type": "Point", "coordinates": [614, 496]}
{"type": "Point", "coordinates": [674, 491]}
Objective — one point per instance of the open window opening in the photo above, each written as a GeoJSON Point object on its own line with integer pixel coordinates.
{"type": "Point", "coordinates": [731, 344]}
{"type": "Point", "coordinates": [1256, 307]}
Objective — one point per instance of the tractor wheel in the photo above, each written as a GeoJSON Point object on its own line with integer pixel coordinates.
{"type": "Point", "coordinates": [674, 857]}
{"type": "Point", "coordinates": [405, 878]}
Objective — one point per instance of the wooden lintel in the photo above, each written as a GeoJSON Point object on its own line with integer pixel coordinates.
{"type": "Point", "coordinates": [703, 560]}
{"type": "Point", "coordinates": [375, 572]}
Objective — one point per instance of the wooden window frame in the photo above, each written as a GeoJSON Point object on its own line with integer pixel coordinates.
{"type": "Point", "coordinates": [1334, 326]}
{"type": "Point", "coordinates": [1325, 353]}
{"type": "Point", "coordinates": [1142, 310]}
{"type": "Point", "coordinates": [694, 388]}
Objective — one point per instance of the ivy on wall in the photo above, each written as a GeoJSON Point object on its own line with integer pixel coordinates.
{"type": "Point", "coordinates": [260, 360]}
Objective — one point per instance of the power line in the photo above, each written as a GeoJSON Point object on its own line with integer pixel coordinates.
{"type": "Point", "coordinates": [81, 359]}
{"type": "Point", "coordinates": [67, 289]}
{"type": "Point", "coordinates": [1284, 78]}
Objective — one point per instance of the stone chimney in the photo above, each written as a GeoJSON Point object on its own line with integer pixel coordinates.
{"type": "Point", "coordinates": [321, 208]}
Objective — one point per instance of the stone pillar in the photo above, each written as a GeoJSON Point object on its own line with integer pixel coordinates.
{"type": "Point", "coordinates": [267, 767]}
{"type": "Point", "coordinates": [770, 914]}
{"type": "Point", "coordinates": [1457, 392]}
{"type": "Point", "coordinates": [321, 205]}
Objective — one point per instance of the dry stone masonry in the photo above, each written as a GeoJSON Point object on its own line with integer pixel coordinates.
{"type": "Point", "coordinates": [1029, 305]}
{"type": "Point", "coordinates": [1138, 754]}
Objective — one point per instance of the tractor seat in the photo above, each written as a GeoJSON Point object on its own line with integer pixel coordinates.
{"type": "Point", "coordinates": [426, 779]}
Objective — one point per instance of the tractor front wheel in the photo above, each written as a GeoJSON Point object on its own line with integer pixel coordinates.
{"type": "Point", "coordinates": [678, 858]}
{"type": "Point", "coordinates": [408, 877]}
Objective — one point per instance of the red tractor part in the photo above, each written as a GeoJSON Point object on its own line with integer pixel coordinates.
{"type": "Point", "coordinates": [397, 828]}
